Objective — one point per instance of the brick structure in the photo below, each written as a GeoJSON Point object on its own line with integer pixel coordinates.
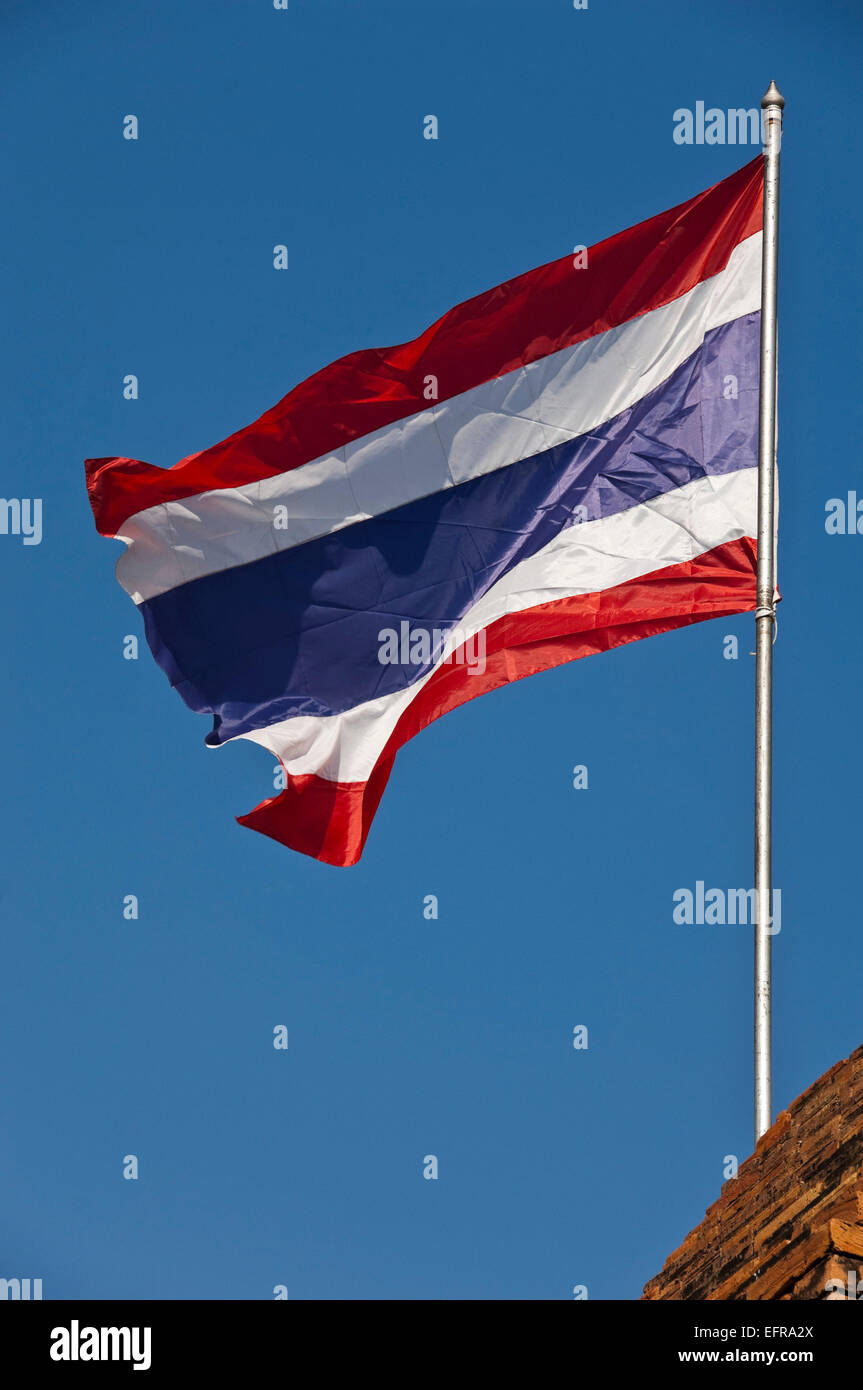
{"type": "Point", "coordinates": [792, 1219]}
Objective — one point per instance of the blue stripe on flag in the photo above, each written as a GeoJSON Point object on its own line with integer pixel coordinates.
{"type": "Point", "coordinates": [296, 633]}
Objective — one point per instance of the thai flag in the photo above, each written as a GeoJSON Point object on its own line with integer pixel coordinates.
{"type": "Point", "coordinates": [558, 466]}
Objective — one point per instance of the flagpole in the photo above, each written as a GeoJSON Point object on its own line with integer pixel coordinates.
{"type": "Point", "coordinates": [772, 104]}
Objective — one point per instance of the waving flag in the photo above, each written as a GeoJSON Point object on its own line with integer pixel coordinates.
{"type": "Point", "coordinates": [558, 466]}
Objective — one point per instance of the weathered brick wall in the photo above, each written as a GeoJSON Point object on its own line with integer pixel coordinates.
{"type": "Point", "coordinates": [792, 1219]}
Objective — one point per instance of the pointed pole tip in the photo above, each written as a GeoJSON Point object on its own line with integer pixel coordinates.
{"type": "Point", "coordinates": [773, 97]}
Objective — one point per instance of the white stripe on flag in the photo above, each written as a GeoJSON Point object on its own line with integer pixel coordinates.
{"type": "Point", "coordinates": [583, 559]}
{"type": "Point", "coordinates": [513, 417]}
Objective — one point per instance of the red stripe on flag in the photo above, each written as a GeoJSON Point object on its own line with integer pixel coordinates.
{"type": "Point", "coordinates": [331, 820]}
{"type": "Point", "coordinates": [507, 327]}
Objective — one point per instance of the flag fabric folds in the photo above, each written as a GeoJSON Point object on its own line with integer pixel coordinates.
{"type": "Point", "coordinates": [563, 464]}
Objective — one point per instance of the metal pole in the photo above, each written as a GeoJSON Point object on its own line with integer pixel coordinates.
{"type": "Point", "coordinates": [772, 104]}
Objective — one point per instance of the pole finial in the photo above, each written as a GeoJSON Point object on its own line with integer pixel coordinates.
{"type": "Point", "coordinates": [772, 97]}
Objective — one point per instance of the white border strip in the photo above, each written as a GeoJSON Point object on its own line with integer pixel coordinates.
{"type": "Point", "coordinates": [499, 423]}
{"type": "Point", "coordinates": [582, 559]}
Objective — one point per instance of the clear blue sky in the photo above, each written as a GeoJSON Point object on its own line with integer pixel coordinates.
{"type": "Point", "coordinates": [407, 1037]}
